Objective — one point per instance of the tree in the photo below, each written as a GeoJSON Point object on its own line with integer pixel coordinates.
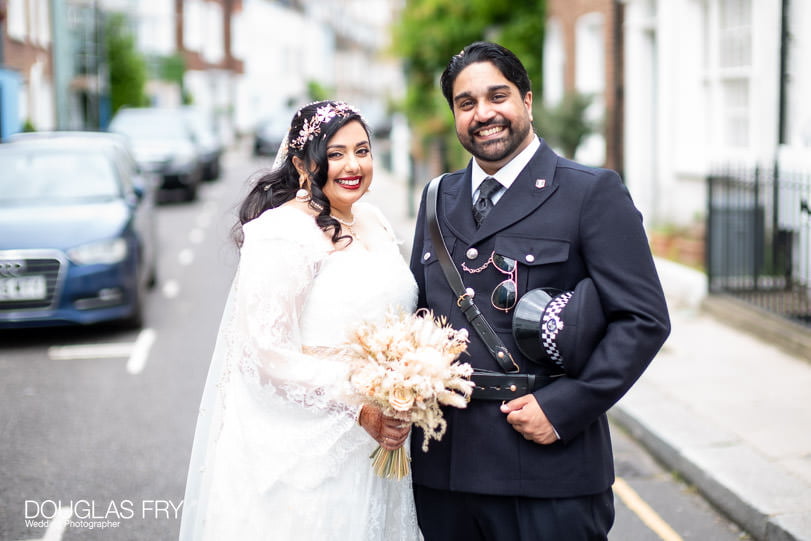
{"type": "Point", "coordinates": [127, 67]}
{"type": "Point", "coordinates": [318, 92]}
{"type": "Point", "coordinates": [429, 32]}
{"type": "Point", "coordinates": [172, 68]}
{"type": "Point", "coordinates": [567, 123]}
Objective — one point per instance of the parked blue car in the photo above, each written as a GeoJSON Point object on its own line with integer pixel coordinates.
{"type": "Point", "coordinates": [77, 231]}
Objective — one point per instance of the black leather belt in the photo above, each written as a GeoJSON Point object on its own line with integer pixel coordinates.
{"type": "Point", "coordinates": [498, 386]}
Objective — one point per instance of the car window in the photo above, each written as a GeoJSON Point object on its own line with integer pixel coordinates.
{"type": "Point", "coordinates": [274, 128]}
{"type": "Point", "coordinates": [198, 122]}
{"type": "Point", "coordinates": [37, 176]}
{"type": "Point", "coordinates": [150, 124]}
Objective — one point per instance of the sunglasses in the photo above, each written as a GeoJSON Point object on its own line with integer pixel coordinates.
{"type": "Point", "coordinates": [505, 294]}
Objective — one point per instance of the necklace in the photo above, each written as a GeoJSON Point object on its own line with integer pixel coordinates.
{"type": "Point", "coordinates": [348, 225]}
{"type": "Point", "coordinates": [343, 222]}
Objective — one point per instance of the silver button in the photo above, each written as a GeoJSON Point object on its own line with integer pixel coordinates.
{"type": "Point", "coordinates": [530, 258]}
{"type": "Point", "coordinates": [427, 256]}
{"type": "Point", "coordinates": [473, 253]}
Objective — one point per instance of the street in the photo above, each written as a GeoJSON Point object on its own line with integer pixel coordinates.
{"type": "Point", "coordinates": [96, 423]}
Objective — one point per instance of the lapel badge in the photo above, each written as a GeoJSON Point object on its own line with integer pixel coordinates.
{"type": "Point", "coordinates": [540, 183]}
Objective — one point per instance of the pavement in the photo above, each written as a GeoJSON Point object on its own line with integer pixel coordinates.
{"type": "Point", "coordinates": [724, 407]}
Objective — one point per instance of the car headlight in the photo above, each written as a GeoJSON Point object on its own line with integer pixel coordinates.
{"type": "Point", "coordinates": [184, 156]}
{"type": "Point", "coordinates": [106, 251]}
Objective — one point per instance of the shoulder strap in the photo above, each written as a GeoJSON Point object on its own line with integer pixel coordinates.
{"type": "Point", "coordinates": [464, 300]}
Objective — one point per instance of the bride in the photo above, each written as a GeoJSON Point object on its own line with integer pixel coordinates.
{"type": "Point", "coordinates": [281, 450]}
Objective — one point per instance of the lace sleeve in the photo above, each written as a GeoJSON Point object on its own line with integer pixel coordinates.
{"type": "Point", "coordinates": [275, 275]}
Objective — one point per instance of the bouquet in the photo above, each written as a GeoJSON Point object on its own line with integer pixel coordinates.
{"type": "Point", "coordinates": [406, 365]}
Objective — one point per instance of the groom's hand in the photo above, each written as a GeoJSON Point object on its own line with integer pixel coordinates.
{"type": "Point", "coordinates": [526, 416]}
{"type": "Point", "coordinates": [389, 432]}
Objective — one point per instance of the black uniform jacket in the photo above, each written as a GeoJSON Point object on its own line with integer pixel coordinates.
{"type": "Point", "coordinates": [561, 221]}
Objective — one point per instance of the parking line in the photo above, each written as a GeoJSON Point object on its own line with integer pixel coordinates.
{"type": "Point", "coordinates": [206, 214]}
{"type": "Point", "coordinates": [136, 353]}
{"type": "Point", "coordinates": [645, 512]}
{"type": "Point", "coordinates": [197, 235]}
{"type": "Point", "coordinates": [185, 257]}
{"type": "Point", "coordinates": [56, 526]}
{"type": "Point", "coordinates": [170, 289]}
{"type": "Point", "coordinates": [140, 351]}
{"type": "Point", "coordinates": [89, 351]}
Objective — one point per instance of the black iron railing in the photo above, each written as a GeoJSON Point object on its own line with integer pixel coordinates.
{"type": "Point", "coordinates": [759, 238]}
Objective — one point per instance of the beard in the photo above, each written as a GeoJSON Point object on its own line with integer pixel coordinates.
{"type": "Point", "coordinates": [496, 150]}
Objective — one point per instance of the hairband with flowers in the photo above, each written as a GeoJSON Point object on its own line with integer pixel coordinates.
{"type": "Point", "coordinates": [312, 125]}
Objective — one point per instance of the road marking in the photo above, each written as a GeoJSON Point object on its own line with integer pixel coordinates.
{"type": "Point", "coordinates": [136, 352]}
{"type": "Point", "coordinates": [140, 351]}
{"type": "Point", "coordinates": [645, 512]}
{"type": "Point", "coordinates": [206, 214]}
{"type": "Point", "coordinates": [186, 256]}
{"type": "Point", "coordinates": [170, 289]}
{"type": "Point", "coordinates": [89, 351]}
{"type": "Point", "coordinates": [57, 525]}
{"type": "Point", "coordinates": [197, 235]}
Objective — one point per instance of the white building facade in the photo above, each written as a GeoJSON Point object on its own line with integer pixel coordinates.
{"type": "Point", "coordinates": [703, 88]}
{"type": "Point", "coordinates": [282, 50]}
{"type": "Point", "coordinates": [338, 45]}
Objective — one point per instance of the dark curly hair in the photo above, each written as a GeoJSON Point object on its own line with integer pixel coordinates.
{"type": "Point", "coordinates": [277, 186]}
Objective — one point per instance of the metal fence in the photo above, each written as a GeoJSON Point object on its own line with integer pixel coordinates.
{"type": "Point", "coordinates": [759, 238]}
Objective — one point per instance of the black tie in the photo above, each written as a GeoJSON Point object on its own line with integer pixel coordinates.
{"type": "Point", "coordinates": [484, 203]}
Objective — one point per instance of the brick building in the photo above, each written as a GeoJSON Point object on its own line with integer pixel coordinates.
{"type": "Point", "coordinates": [26, 66]}
{"type": "Point", "coordinates": [583, 52]}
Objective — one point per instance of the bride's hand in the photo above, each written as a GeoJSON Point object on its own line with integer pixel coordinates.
{"type": "Point", "coordinates": [389, 432]}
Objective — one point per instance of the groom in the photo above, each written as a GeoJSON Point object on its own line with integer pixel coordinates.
{"type": "Point", "coordinates": [538, 466]}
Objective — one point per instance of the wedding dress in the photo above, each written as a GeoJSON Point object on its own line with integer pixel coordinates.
{"type": "Point", "coordinates": [278, 453]}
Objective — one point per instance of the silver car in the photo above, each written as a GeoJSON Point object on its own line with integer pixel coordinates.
{"type": "Point", "coordinates": [164, 143]}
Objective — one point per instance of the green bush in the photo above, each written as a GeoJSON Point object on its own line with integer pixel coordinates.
{"type": "Point", "coordinates": [128, 70]}
{"type": "Point", "coordinates": [566, 125]}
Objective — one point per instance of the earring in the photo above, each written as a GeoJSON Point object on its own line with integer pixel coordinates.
{"type": "Point", "coordinates": [302, 195]}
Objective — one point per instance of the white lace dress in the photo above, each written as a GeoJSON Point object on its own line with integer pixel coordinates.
{"type": "Point", "coordinates": [278, 452]}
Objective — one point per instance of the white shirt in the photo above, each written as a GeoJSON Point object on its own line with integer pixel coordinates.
{"type": "Point", "coordinates": [507, 174]}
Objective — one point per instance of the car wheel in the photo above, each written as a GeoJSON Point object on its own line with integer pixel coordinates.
{"type": "Point", "coordinates": [190, 192]}
{"type": "Point", "coordinates": [213, 170]}
{"type": "Point", "coordinates": [136, 319]}
{"type": "Point", "coordinates": [152, 279]}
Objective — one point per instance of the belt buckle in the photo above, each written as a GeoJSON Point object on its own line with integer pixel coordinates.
{"type": "Point", "coordinates": [492, 389]}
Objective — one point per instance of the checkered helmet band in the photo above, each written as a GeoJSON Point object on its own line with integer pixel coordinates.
{"type": "Point", "coordinates": [551, 325]}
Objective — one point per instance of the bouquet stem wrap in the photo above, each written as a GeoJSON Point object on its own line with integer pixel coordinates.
{"type": "Point", "coordinates": [391, 464]}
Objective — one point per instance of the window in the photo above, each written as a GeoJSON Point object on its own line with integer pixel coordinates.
{"type": "Point", "coordinates": [735, 95]}
{"type": "Point", "coordinates": [734, 69]}
{"type": "Point", "coordinates": [735, 34]}
{"type": "Point", "coordinates": [15, 24]}
{"type": "Point", "coordinates": [554, 62]}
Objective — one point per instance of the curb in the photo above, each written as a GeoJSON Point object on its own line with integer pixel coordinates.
{"type": "Point", "coordinates": [750, 515]}
{"type": "Point", "coordinates": [790, 336]}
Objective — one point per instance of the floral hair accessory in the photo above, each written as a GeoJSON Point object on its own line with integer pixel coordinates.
{"type": "Point", "coordinates": [325, 113]}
